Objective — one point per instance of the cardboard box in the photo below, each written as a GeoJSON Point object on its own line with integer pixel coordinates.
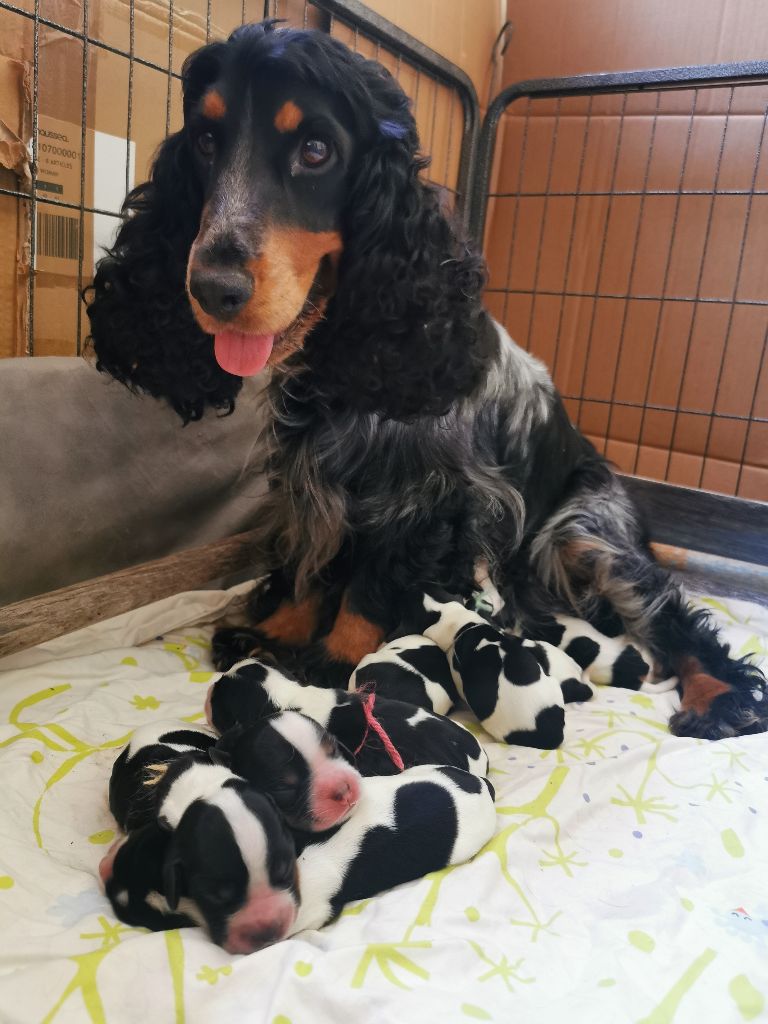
{"type": "Point", "coordinates": [15, 126]}
{"type": "Point", "coordinates": [463, 32]}
{"type": "Point", "coordinates": [90, 165]}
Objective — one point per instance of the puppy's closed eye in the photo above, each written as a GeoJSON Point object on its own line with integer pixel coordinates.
{"type": "Point", "coordinates": [282, 870]}
{"type": "Point", "coordinates": [286, 791]}
{"type": "Point", "coordinates": [221, 894]}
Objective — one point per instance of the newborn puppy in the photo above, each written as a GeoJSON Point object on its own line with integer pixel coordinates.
{"type": "Point", "coordinates": [612, 660]}
{"type": "Point", "coordinates": [228, 862]}
{"type": "Point", "coordinates": [515, 687]}
{"type": "Point", "coordinates": [405, 826]}
{"type": "Point", "coordinates": [609, 656]}
{"type": "Point", "coordinates": [131, 801]}
{"type": "Point", "coordinates": [252, 690]}
{"type": "Point", "coordinates": [296, 762]}
{"type": "Point", "coordinates": [230, 853]}
{"type": "Point", "coordinates": [411, 669]}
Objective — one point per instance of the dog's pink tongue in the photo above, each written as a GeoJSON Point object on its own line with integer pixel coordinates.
{"type": "Point", "coordinates": [243, 354]}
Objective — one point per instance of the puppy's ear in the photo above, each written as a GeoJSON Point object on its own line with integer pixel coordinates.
{"type": "Point", "coordinates": [348, 724]}
{"type": "Point", "coordinates": [173, 876]}
{"type": "Point", "coordinates": [220, 756]}
{"type": "Point", "coordinates": [142, 328]}
{"type": "Point", "coordinates": [405, 333]}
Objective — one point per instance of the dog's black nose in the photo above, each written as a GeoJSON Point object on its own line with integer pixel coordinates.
{"type": "Point", "coordinates": [221, 292]}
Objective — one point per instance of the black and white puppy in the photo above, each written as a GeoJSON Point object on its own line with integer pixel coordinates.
{"type": "Point", "coordinates": [218, 855]}
{"type": "Point", "coordinates": [614, 660]}
{"type": "Point", "coordinates": [296, 762]}
{"type": "Point", "coordinates": [253, 689]}
{"type": "Point", "coordinates": [413, 669]}
{"type": "Point", "coordinates": [516, 688]}
{"type": "Point", "coordinates": [231, 854]}
{"type": "Point", "coordinates": [131, 801]}
{"type": "Point", "coordinates": [608, 656]}
{"type": "Point", "coordinates": [405, 826]}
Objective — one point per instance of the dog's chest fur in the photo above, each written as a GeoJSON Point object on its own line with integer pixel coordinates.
{"type": "Point", "coordinates": [447, 484]}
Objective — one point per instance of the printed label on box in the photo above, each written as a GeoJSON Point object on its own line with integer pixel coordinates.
{"type": "Point", "coordinates": [59, 158]}
{"type": "Point", "coordinates": [109, 168]}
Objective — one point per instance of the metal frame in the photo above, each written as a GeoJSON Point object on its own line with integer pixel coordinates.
{"type": "Point", "coordinates": [383, 31]}
{"type": "Point", "coordinates": [350, 12]}
{"type": "Point", "coordinates": [713, 523]}
{"type": "Point", "coordinates": [652, 80]}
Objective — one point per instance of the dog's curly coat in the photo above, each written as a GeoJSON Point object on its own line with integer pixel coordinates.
{"type": "Point", "coordinates": [408, 434]}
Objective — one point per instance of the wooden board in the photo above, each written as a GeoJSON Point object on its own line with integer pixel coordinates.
{"type": "Point", "coordinates": [26, 623]}
{"type": "Point", "coordinates": [702, 521]}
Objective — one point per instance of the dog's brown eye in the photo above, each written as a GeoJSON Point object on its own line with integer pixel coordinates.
{"type": "Point", "coordinates": [206, 144]}
{"type": "Point", "coordinates": [314, 152]}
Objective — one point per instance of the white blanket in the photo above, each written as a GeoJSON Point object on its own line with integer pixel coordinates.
{"type": "Point", "coordinates": [627, 880]}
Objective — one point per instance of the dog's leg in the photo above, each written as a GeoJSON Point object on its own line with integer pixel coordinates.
{"type": "Point", "coordinates": [592, 553]}
{"type": "Point", "coordinates": [355, 633]}
{"type": "Point", "coordinates": [281, 625]}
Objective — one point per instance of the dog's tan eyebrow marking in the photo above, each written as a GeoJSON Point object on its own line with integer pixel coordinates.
{"type": "Point", "coordinates": [289, 117]}
{"type": "Point", "coordinates": [214, 105]}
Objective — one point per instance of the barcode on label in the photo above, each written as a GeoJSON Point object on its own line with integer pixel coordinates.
{"type": "Point", "coordinates": [58, 236]}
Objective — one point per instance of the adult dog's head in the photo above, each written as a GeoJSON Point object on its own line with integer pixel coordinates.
{"type": "Point", "coordinates": [288, 216]}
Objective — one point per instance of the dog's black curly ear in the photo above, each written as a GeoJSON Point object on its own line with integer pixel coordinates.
{"type": "Point", "coordinates": [142, 328]}
{"type": "Point", "coordinates": [405, 332]}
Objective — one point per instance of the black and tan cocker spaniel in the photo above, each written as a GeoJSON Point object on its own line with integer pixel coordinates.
{"type": "Point", "coordinates": [286, 227]}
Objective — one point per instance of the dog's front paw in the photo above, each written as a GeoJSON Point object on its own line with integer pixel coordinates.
{"type": "Point", "coordinates": [231, 645]}
{"type": "Point", "coordinates": [733, 703]}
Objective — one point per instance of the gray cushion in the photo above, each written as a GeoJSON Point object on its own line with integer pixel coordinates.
{"type": "Point", "coordinates": [95, 479]}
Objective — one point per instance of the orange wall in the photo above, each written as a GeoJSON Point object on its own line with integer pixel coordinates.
{"type": "Point", "coordinates": [668, 388]}
{"type": "Point", "coordinates": [560, 37]}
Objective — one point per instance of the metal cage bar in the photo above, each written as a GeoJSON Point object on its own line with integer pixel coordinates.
{"type": "Point", "coordinates": [515, 296]}
{"type": "Point", "coordinates": [405, 50]}
{"type": "Point", "coordinates": [654, 79]}
{"type": "Point", "coordinates": [380, 30]}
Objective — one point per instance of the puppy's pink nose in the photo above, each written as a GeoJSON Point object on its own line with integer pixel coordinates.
{"type": "Point", "coordinates": [352, 794]}
{"type": "Point", "coordinates": [263, 920]}
{"type": "Point", "coordinates": [335, 796]}
{"type": "Point", "coordinates": [107, 862]}
{"type": "Point", "coordinates": [105, 868]}
{"type": "Point", "coordinates": [208, 711]}
{"type": "Point", "coordinates": [344, 789]}
{"type": "Point", "coordinates": [341, 793]}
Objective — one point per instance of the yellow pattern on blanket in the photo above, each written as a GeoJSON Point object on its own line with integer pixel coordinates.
{"type": "Point", "coordinates": [625, 881]}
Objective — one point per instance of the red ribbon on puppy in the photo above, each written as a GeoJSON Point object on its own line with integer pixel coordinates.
{"type": "Point", "coordinates": [371, 722]}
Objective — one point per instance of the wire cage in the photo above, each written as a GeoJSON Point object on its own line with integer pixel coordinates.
{"type": "Point", "coordinates": [135, 61]}
{"type": "Point", "coordinates": [622, 216]}
{"type": "Point", "coordinates": [624, 223]}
